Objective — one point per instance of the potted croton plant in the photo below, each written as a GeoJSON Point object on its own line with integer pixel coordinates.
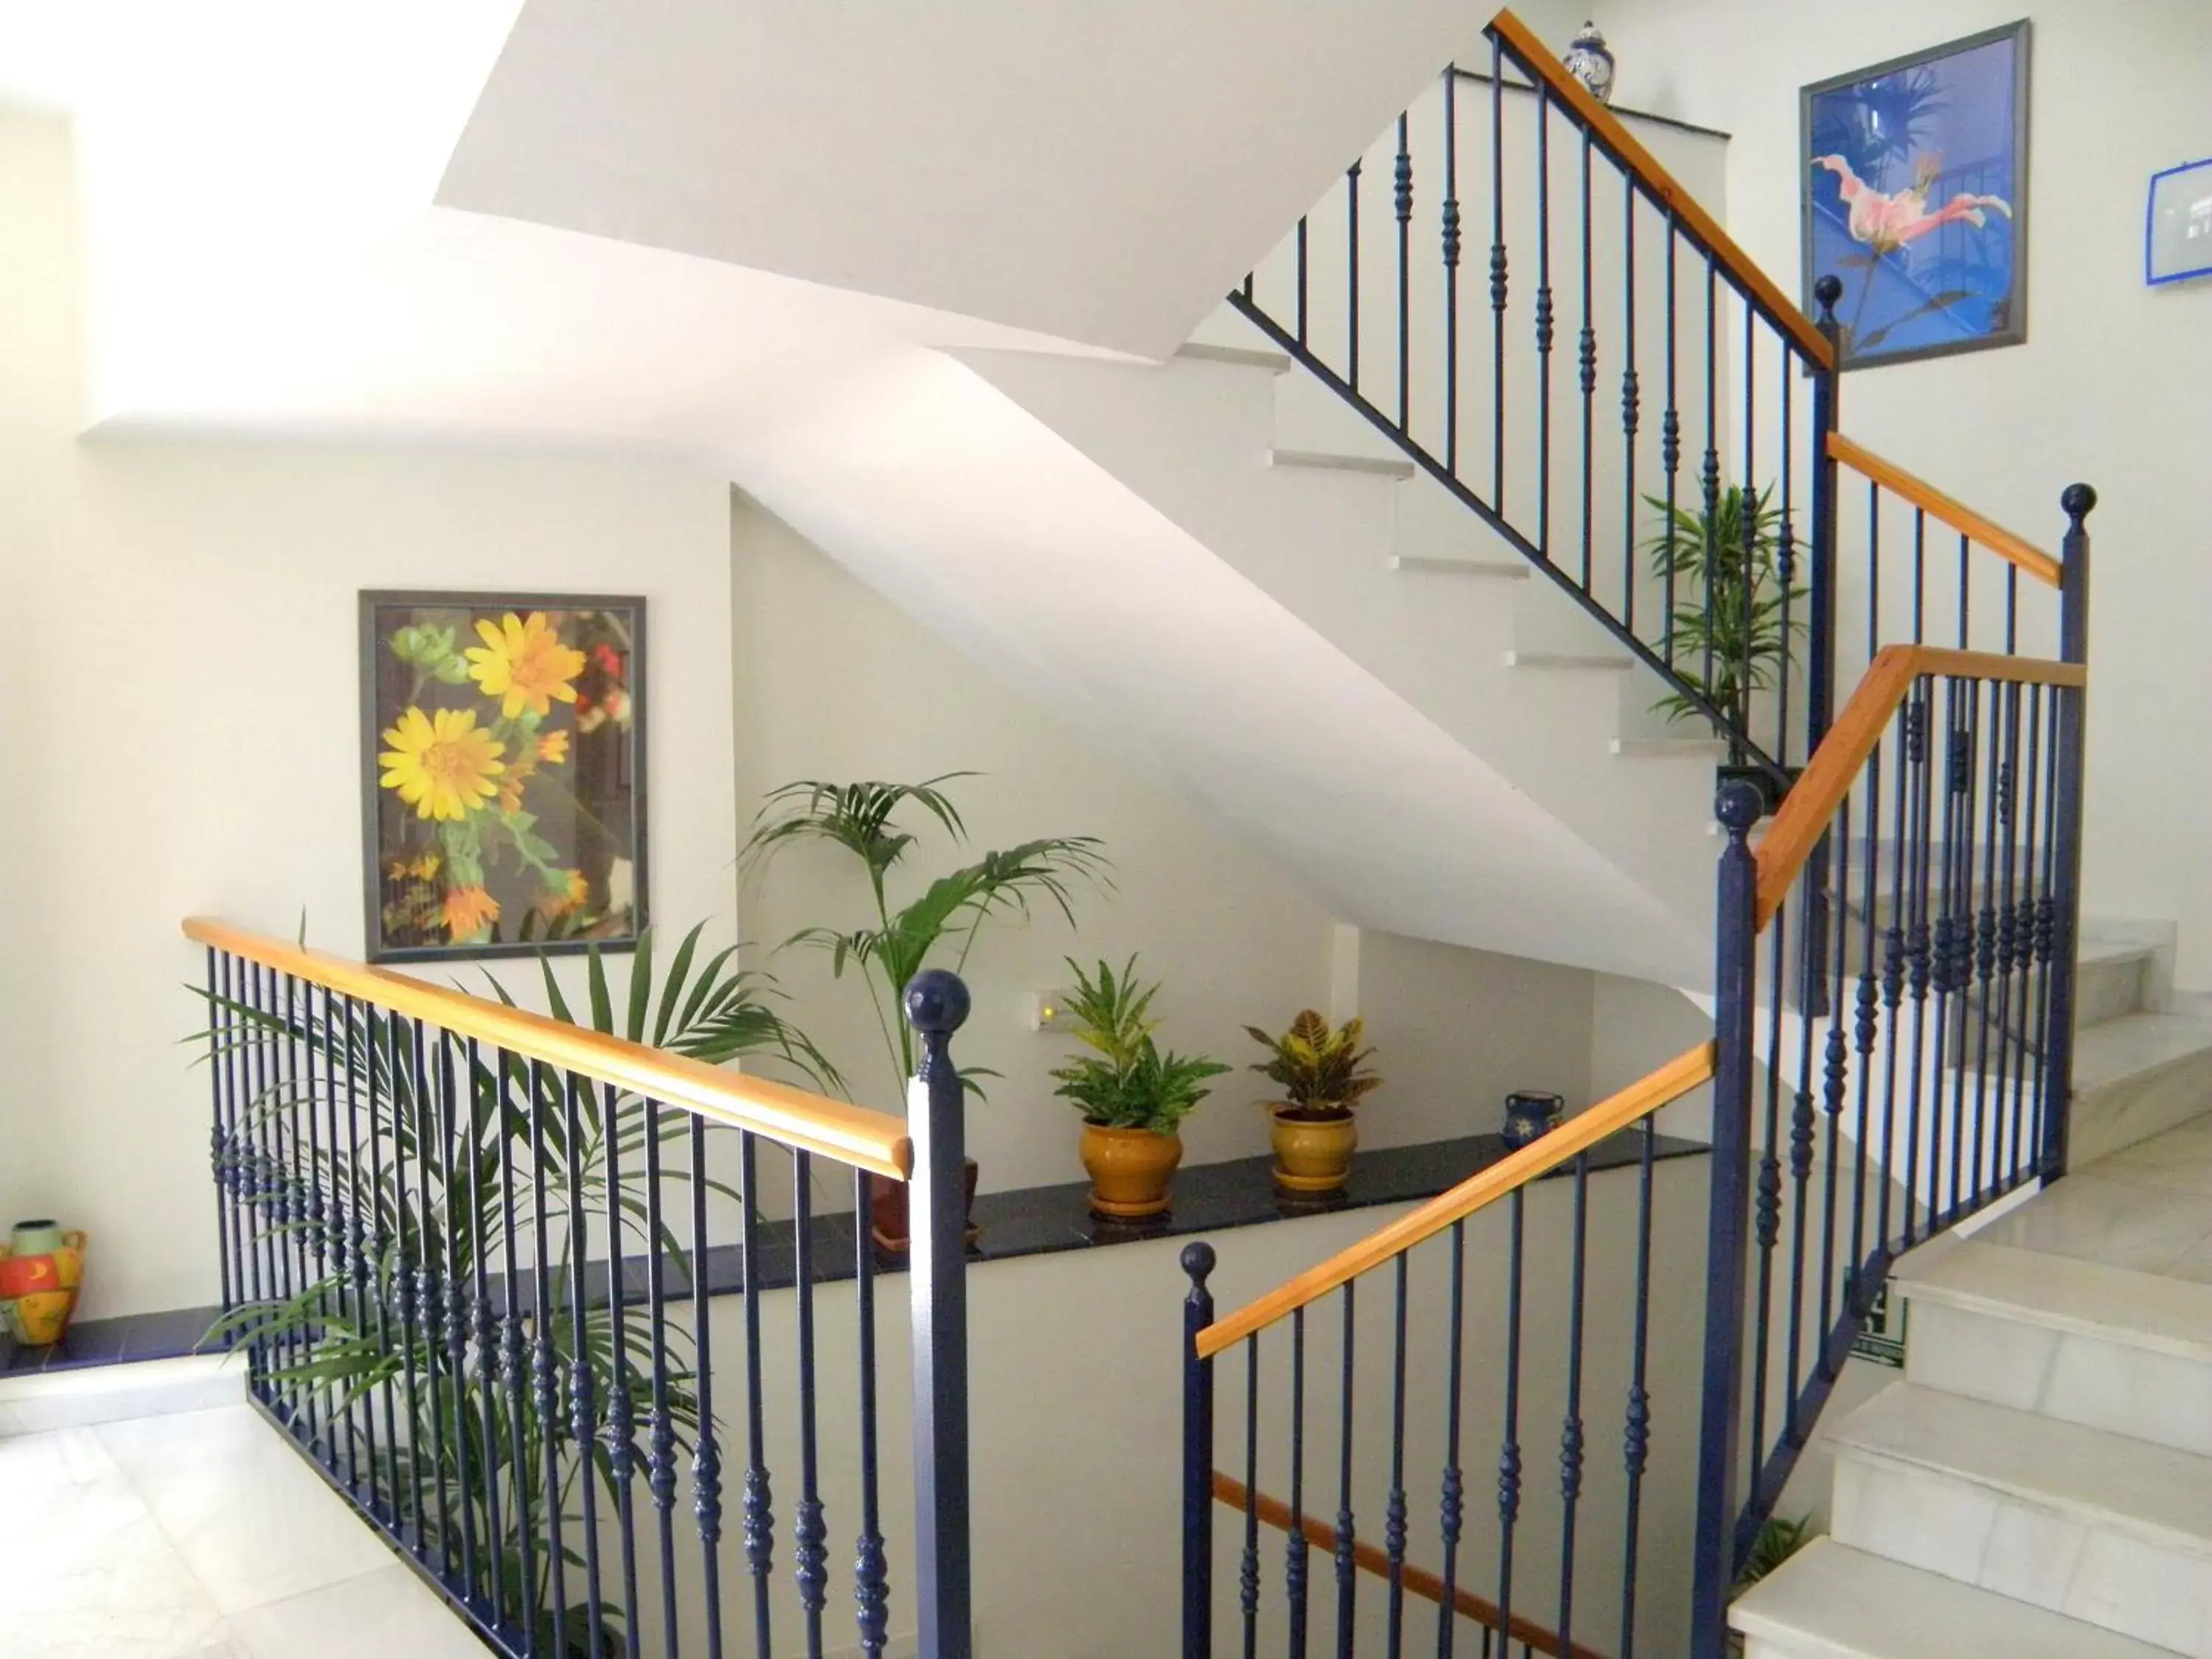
{"type": "Point", "coordinates": [1132, 1094]}
{"type": "Point", "coordinates": [1319, 1069]}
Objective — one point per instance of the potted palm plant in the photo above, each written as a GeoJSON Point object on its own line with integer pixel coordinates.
{"type": "Point", "coordinates": [897, 941]}
{"type": "Point", "coordinates": [1319, 1068]}
{"type": "Point", "coordinates": [1132, 1094]}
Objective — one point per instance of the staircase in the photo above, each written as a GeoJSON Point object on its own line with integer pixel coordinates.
{"type": "Point", "coordinates": [2040, 1483]}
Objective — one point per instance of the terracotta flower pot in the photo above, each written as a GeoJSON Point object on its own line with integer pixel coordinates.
{"type": "Point", "coordinates": [1130, 1170]}
{"type": "Point", "coordinates": [887, 1209]}
{"type": "Point", "coordinates": [1313, 1155]}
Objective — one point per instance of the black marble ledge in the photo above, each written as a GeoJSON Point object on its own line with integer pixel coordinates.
{"type": "Point", "coordinates": [1029, 1221]}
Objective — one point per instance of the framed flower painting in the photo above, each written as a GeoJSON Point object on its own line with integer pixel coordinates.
{"type": "Point", "coordinates": [1915, 175]}
{"type": "Point", "coordinates": [502, 737]}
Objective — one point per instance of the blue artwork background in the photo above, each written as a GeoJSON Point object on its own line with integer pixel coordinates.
{"type": "Point", "coordinates": [1944, 128]}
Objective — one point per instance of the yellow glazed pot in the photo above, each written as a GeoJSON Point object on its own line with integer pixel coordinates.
{"type": "Point", "coordinates": [1130, 1170]}
{"type": "Point", "coordinates": [1313, 1155]}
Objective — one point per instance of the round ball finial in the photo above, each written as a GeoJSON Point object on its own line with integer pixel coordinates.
{"type": "Point", "coordinates": [1197, 1261]}
{"type": "Point", "coordinates": [1739, 806]}
{"type": "Point", "coordinates": [937, 1002]}
{"type": "Point", "coordinates": [1828, 290]}
{"type": "Point", "coordinates": [2079, 502]}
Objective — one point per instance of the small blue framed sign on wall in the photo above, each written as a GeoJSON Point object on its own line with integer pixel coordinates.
{"type": "Point", "coordinates": [2178, 233]}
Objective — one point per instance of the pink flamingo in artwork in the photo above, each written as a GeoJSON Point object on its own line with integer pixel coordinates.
{"type": "Point", "coordinates": [1886, 223]}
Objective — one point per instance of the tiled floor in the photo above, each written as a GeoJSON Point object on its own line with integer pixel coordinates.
{"type": "Point", "coordinates": [2148, 1209]}
{"type": "Point", "coordinates": [199, 1535]}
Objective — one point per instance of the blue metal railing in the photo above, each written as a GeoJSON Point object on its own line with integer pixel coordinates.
{"type": "Point", "coordinates": [474, 1280]}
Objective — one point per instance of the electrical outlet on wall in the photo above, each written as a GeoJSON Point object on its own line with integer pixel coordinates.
{"type": "Point", "coordinates": [1046, 1010]}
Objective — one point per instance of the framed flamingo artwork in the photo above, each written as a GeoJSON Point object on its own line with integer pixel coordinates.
{"type": "Point", "coordinates": [1916, 199]}
{"type": "Point", "coordinates": [503, 799]}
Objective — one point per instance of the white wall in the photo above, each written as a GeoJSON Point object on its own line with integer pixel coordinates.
{"type": "Point", "coordinates": [181, 730]}
{"type": "Point", "coordinates": [2109, 388]}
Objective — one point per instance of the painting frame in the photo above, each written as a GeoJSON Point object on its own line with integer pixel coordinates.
{"type": "Point", "coordinates": [2154, 276]}
{"type": "Point", "coordinates": [376, 608]}
{"type": "Point", "coordinates": [2011, 329]}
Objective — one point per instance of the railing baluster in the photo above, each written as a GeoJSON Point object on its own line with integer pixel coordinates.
{"type": "Point", "coordinates": [486, 1329]}
{"type": "Point", "coordinates": [705, 1445]}
{"type": "Point", "coordinates": [430, 1295]}
{"type": "Point", "coordinates": [1670, 427]}
{"type": "Point", "coordinates": [1631, 398]}
{"type": "Point", "coordinates": [545, 1398]}
{"type": "Point", "coordinates": [660, 1429]}
{"type": "Point", "coordinates": [1352, 280]}
{"type": "Point", "coordinates": [871, 1568]}
{"type": "Point", "coordinates": [386, 1256]}
{"type": "Point", "coordinates": [1402, 205]}
{"type": "Point", "coordinates": [527, 1600]}
{"type": "Point", "coordinates": [1500, 275]}
{"type": "Point", "coordinates": [1302, 281]}
{"type": "Point", "coordinates": [1248, 1577]}
{"type": "Point", "coordinates": [1710, 477]}
{"type": "Point", "coordinates": [1570, 1432]}
{"type": "Point", "coordinates": [1450, 225]}
{"type": "Point", "coordinates": [1294, 1551]}
{"type": "Point", "coordinates": [2028, 1105]}
{"type": "Point", "coordinates": [466, 1474]}
{"type": "Point", "coordinates": [1346, 1581]}
{"type": "Point", "coordinates": [2068, 738]}
{"type": "Point", "coordinates": [1509, 1450]}
{"type": "Point", "coordinates": [622, 1406]}
{"type": "Point", "coordinates": [219, 1047]}
{"type": "Point", "coordinates": [1451, 1505]}
{"type": "Point", "coordinates": [1545, 324]}
{"type": "Point", "coordinates": [1636, 1432]}
{"type": "Point", "coordinates": [757, 1507]}
{"type": "Point", "coordinates": [1393, 1515]}
{"type": "Point", "coordinates": [1919, 718]}
{"type": "Point", "coordinates": [810, 1555]}
{"type": "Point", "coordinates": [1587, 356]}
{"type": "Point", "coordinates": [583, 1402]}
{"type": "Point", "coordinates": [338, 1223]}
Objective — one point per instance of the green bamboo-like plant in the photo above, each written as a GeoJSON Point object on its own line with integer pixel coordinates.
{"type": "Point", "coordinates": [1733, 620]}
{"type": "Point", "coordinates": [458, 1168]}
{"type": "Point", "coordinates": [862, 818]}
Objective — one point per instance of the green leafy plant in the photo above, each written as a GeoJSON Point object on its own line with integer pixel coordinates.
{"type": "Point", "coordinates": [1777, 1541]}
{"type": "Point", "coordinates": [1318, 1066]}
{"type": "Point", "coordinates": [1127, 1081]}
{"type": "Point", "coordinates": [862, 818]}
{"type": "Point", "coordinates": [416, 1249]}
{"type": "Point", "coordinates": [1733, 620]}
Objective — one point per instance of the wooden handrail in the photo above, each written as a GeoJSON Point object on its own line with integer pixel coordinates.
{"type": "Point", "coordinates": [1538, 59]}
{"type": "Point", "coordinates": [1933, 502]}
{"type": "Point", "coordinates": [1273, 1512]}
{"type": "Point", "coordinates": [1812, 801]}
{"type": "Point", "coordinates": [1540, 1157]}
{"type": "Point", "coordinates": [796, 1117]}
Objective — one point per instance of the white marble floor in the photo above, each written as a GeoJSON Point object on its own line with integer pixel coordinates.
{"type": "Point", "coordinates": [198, 1536]}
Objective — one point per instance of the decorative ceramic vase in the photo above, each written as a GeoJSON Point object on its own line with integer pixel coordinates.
{"type": "Point", "coordinates": [888, 1209]}
{"type": "Point", "coordinates": [41, 1267]}
{"type": "Point", "coordinates": [1530, 1116]}
{"type": "Point", "coordinates": [1130, 1170]}
{"type": "Point", "coordinates": [1590, 60]}
{"type": "Point", "coordinates": [1313, 1154]}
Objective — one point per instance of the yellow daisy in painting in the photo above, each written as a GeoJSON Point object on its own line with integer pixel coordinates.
{"type": "Point", "coordinates": [523, 663]}
{"type": "Point", "coordinates": [469, 911]}
{"type": "Point", "coordinates": [571, 896]}
{"type": "Point", "coordinates": [553, 748]}
{"type": "Point", "coordinates": [442, 764]}
{"type": "Point", "coordinates": [518, 773]}
{"type": "Point", "coordinates": [425, 867]}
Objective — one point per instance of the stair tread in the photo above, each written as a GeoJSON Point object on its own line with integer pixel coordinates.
{"type": "Point", "coordinates": [2131, 1045]}
{"type": "Point", "coordinates": [1328, 460]}
{"type": "Point", "coordinates": [2105, 1480]}
{"type": "Point", "coordinates": [2091, 950]}
{"type": "Point", "coordinates": [1448, 565]}
{"type": "Point", "coordinates": [1566, 659]}
{"type": "Point", "coordinates": [1206, 351]}
{"type": "Point", "coordinates": [1831, 1602]}
{"type": "Point", "coordinates": [2120, 1305]}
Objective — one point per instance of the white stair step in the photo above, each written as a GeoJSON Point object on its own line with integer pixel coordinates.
{"type": "Point", "coordinates": [1831, 1602]}
{"type": "Point", "coordinates": [1670, 748]}
{"type": "Point", "coordinates": [1324, 460]}
{"type": "Point", "coordinates": [2110, 1530]}
{"type": "Point", "coordinates": [2134, 1077]}
{"type": "Point", "coordinates": [2104, 1347]}
{"type": "Point", "coordinates": [2113, 979]}
{"type": "Point", "coordinates": [1566, 659]}
{"type": "Point", "coordinates": [1206, 351]}
{"type": "Point", "coordinates": [1437, 565]}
